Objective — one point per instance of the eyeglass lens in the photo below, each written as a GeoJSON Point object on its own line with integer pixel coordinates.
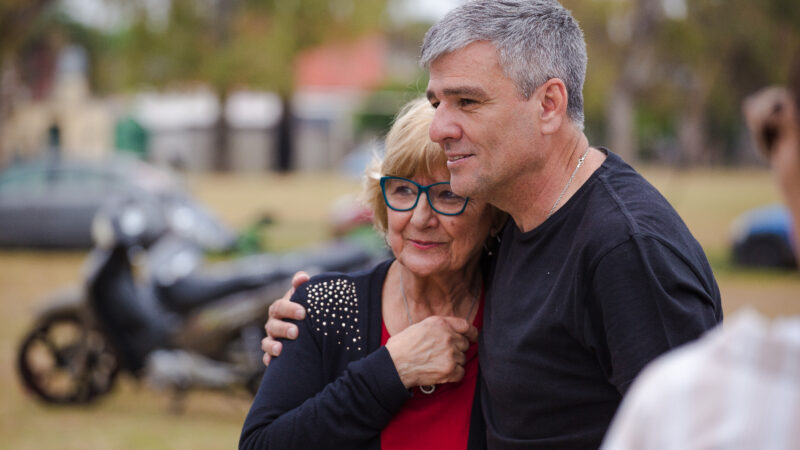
{"type": "Point", "coordinates": [402, 194]}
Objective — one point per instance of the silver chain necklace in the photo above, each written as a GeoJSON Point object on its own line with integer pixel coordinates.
{"type": "Point", "coordinates": [430, 388]}
{"type": "Point", "coordinates": [572, 177]}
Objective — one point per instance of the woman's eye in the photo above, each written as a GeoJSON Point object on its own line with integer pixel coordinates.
{"type": "Point", "coordinates": [403, 190]}
{"type": "Point", "coordinates": [450, 196]}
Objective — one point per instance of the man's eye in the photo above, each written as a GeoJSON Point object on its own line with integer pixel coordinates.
{"type": "Point", "coordinates": [466, 102]}
{"type": "Point", "coordinates": [435, 104]}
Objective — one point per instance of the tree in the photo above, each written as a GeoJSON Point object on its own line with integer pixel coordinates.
{"type": "Point", "coordinates": [229, 44]}
{"type": "Point", "coordinates": [670, 86]}
{"type": "Point", "coordinates": [16, 17]}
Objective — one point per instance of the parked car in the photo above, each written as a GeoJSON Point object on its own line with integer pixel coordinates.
{"type": "Point", "coordinates": [50, 202]}
{"type": "Point", "coordinates": [762, 237]}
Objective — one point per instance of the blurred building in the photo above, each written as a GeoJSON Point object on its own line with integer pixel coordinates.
{"type": "Point", "coordinates": [60, 101]}
{"type": "Point", "coordinates": [253, 119]}
{"type": "Point", "coordinates": [332, 82]}
{"type": "Point", "coordinates": [178, 128]}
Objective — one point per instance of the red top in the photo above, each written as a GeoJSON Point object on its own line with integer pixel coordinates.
{"type": "Point", "coordinates": [439, 420]}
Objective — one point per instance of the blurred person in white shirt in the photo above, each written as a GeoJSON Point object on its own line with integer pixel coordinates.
{"type": "Point", "coordinates": [739, 386]}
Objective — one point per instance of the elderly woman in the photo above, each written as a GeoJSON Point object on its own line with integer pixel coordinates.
{"type": "Point", "coordinates": [384, 358]}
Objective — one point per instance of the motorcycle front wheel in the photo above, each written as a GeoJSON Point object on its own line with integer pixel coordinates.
{"type": "Point", "coordinates": [63, 360]}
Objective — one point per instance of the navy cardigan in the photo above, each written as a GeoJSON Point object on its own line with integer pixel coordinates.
{"type": "Point", "coordinates": [335, 386]}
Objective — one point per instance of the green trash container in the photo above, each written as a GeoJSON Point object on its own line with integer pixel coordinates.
{"type": "Point", "coordinates": [131, 137]}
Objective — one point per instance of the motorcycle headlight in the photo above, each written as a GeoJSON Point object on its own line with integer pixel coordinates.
{"type": "Point", "coordinates": [182, 220]}
{"type": "Point", "coordinates": [102, 231]}
{"type": "Point", "coordinates": [132, 222]}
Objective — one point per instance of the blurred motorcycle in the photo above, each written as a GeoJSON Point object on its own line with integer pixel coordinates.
{"type": "Point", "coordinates": [151, 308]}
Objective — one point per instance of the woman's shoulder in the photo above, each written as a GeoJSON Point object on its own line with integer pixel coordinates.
{"type": "Point", "coordinates": [335, 303]}
{"type": "Point", "coordinates": [338, 286]}
{"type": "Point", "coordinates": [353, 286]}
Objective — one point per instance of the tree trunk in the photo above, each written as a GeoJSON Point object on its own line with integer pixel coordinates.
{"type": "Point", "coordinates": [7, 89]}
{"type": "Point", "coordinates": [637, 68]}
{"type": "Point", "coordinates": [692, 130]}
{"type": "Point", "coordinates": [285, 136]}
{"type": "Point", "coordinates": [222, 161]}
{"type": "Point", "coordinates": [14, 25]}
{"type": "Point", "coordinates": [221, 34]}
{"type": "Point", "coordinates": [620, 122]}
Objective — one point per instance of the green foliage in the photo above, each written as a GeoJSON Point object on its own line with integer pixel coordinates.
{"type": "Point", "coordinates": [722, 51]}
{"type": "Point", "coordinates": [379, 109]}
{"type": "Point", "coordinates": [30, 26]}
{"type": "Point", "coordinates": [233, 43]}
{"type": "Point", "coordinates": [16, 16]}
{"type": "Point", "coordinates": [718, 54]}
{"type": "Point", "coordinates": [738, 47]}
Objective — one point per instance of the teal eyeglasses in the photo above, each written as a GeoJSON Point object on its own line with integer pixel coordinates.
{"type": "Point", "coordinates": [402, 194]}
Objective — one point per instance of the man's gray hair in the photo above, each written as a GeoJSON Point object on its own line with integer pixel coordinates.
{"type": "Point", "coordinates": [536, 39]}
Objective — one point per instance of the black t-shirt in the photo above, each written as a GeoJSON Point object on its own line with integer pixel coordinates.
{"type": "Point", "coordinates": [578, 306]}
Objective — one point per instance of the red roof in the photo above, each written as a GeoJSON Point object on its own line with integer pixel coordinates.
{"type": "Point", "coordinates": [358, 64]}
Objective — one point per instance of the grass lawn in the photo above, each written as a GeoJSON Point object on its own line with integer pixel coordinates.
{"type": "Point", "coordinates": [709, 201]}
{"type": "Point", "coordinates": [136, 417]}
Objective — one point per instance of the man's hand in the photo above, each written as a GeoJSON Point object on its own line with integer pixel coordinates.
{"type": "Point", "coordinates": [276, 328]}
{"type": "Point", "coordinates": [432, 351]}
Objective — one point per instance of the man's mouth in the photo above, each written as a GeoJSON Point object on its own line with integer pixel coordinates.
{"type": "Point", "coordinates": [455, 161]}
{"type": "Point", "coordinates": [457, 157]}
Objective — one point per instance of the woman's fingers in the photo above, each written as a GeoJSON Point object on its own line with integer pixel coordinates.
{"type": "Point", "coordinates": [430, 352]}
{"type": "Point", "coordinates": [460, 358]}
{"type": "Point", "coordinates": [461, 343]}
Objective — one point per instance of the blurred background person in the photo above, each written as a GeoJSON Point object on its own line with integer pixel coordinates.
{"type": "Point", "coordinates": [773, 119]}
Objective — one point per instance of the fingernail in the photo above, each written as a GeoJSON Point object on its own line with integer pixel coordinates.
{"type": "Point", "coordinates": [276, 348]}
{"type": "Point", "coordinates": [292, 333]}
{"type": "Point", "coordinates": [300, 314]}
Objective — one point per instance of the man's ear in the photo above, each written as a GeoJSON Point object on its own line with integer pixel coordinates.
{"type": "Point", "coordinates": [553, 99]}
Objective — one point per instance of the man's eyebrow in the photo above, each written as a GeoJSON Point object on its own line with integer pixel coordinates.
{"type": "Point", "coordinates": [460, 91]}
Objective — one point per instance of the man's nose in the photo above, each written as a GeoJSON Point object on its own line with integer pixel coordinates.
{"type": "Point", "coordinates": [444, 128]}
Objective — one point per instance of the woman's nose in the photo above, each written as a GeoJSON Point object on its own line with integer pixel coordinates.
{"type": "Point", "coordinates": [423, 215]}
{"type": "Point", "coordinates": [443, 127]}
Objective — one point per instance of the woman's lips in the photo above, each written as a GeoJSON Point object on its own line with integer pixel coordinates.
{"type": "Point", "coordinates": [423, 245]}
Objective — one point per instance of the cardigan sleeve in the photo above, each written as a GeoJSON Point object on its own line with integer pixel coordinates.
{"type": "Point", "coordinates": [295, 408]}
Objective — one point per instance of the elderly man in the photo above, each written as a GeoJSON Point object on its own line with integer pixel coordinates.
{"type": "Point", "coordinates": [595, 274]}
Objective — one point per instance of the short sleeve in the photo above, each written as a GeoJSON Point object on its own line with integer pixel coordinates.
{"type": "Point", "coordinates": [646, 299]}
